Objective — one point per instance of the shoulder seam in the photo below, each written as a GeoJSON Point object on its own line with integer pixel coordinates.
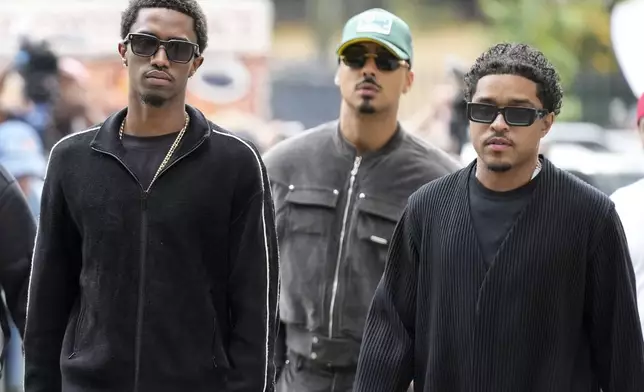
{"type": "Point", "coordinates": [51, 152]}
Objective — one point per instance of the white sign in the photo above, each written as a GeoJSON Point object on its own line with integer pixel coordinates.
{"type": "Point", "coordinates": [91, 28]}
{"type": "Point", "coordinates": [627, 32]}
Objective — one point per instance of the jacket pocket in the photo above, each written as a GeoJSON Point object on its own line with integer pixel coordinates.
{"type": "Point", "coordinates": [305, 248]}
{"type": "Point", "coordinates": [310, 210]}
{"type": "Point", "coordinates": [78, 329]}
{"type": "Point", "coordinates": [376, 223]}
{"type": "Point", "coordinates": [367, 255]}
{"type": "Point", "coordinates": [220, 358]}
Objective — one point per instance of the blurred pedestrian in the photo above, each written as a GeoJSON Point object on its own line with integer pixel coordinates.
{"type": "Point", "coordinates": [17, 235]}
{"type": "Point", "coordinates": [511, 274]}
{"type": "Point", "coordinates": [72, 109]}
{"type": "Point", "coordinates": [22, 154]}
{"type": "Point", "coordinates": [629, 202]}
{"type": "Point", "coordinates": [339, 190]}
{"type": "Point", "coordinates": [155, 267]}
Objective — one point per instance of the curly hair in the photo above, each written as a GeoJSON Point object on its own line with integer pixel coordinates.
{"type": "Point", "coordinates": [522, 60]}
{"type": "Point", "coordinates": [186, 7]}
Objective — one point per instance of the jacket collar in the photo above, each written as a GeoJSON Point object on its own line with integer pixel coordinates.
{"type": "Point", "coordinates": [540, 201]}
{"type": "Point", "coordinates": [107, 138]}
{"type": "Point", "coordinates": [547, 171]}
{"type": "Point", "coordinates": [348, 150]}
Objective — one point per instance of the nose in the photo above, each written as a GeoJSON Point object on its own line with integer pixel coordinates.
{"type": "Point", "coordinates": [370, 66]}
{"type": "Point", "coordinates": [499, 123]}
{"type": "Point", "coordinates": [160, 58]}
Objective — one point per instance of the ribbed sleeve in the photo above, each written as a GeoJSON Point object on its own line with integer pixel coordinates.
{"type": "Point", "coordinates": [615, 332]}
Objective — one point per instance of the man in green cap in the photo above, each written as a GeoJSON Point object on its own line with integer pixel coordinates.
{"type": "Point", "coordinates": [338, 191]}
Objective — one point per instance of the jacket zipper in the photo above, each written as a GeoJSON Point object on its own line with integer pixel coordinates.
{"type": "Point", "coordinates": [139, 311]}
{"type": "Point", "coordinates": [143, 253]}
{"type": "Point", "coordinates": [345, 218]}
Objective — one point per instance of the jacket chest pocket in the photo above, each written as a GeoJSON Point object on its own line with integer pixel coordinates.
{"type": "Point", "coordinates": [311, 211]}
{"type": "Point", "coordinates": [376, 221]}
{"type": "Point", "coordinates": [308, 220]}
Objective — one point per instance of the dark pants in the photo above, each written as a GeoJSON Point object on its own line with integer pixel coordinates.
{"type": "Point", "coordinates": [303, 375]}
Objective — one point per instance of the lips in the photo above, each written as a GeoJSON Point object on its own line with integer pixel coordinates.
{"type": "Point", "coordinates": [498, 141]}
{"type": "Point", "coordinates": [158, 75]}
{"type": "Point", "coordinates": [367, 87]}
{"type": "Point", "coordinates": [498, 144]}
{"type": "Point", "coordinates": [367, 91]}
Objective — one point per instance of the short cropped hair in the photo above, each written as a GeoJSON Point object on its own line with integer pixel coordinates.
{"type": "Point", "coordinates": [522, 60]}
{"type": "Point", "coordinates": [186, 7]}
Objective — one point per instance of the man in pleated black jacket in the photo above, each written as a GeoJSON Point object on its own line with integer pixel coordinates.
{"type": "Point", "coordinates": [155, 267]}
{"type": "Point", "coordinates": [511, 274]}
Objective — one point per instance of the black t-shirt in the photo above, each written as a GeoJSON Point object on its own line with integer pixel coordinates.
{"type": "Point", "coordinates": [494, 213]}
{"type": "Point", "coordinates": [143, 155]}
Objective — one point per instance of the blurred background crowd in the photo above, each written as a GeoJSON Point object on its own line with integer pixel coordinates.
{"type": "Point", "coordinates": [268, 74]}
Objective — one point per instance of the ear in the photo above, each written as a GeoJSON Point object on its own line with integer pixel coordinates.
{"type": "Point", "coordinates": [196, 64]}
{"type": "Point", "coordinates": [336, 78]}
{"type": "Point", "coordinates": [122, 51]}
{"type": "Point", "coordinates": [409, 81]}
{"type": "Point", "coordinates": [547, 124]}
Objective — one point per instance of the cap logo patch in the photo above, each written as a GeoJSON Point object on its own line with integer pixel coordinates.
{"type": "Point", "coordinates": [375, 22]}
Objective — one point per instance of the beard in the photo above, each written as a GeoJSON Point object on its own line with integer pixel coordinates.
{"type": "Point", "coordinates": [153, 100]}
{"type": "Point", "coordinates": [366, 107]}
{"type": "Point", "coordinates": [499, 167]}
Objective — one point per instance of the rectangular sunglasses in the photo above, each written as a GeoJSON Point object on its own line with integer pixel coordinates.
{"type": "Point", "coordinates": [385, 61]}
{"type": "Point", "coordinates": [516, 116]}
{"type": "Point", "coordinates": [178, 51]}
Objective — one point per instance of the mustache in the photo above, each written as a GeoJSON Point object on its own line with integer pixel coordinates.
{"type": "Point", "coordinates": [368, 81]}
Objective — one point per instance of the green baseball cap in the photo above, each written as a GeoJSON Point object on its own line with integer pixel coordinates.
{"type": "Point", "coordinates": [379, 26]}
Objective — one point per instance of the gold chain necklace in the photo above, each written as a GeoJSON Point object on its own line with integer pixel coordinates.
{"type": "Point", "coordinates": [170, 151]}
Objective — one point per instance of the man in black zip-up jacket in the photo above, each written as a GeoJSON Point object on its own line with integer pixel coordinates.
{"type": "Point", "coordinates": [17, 233]}
{"type": "Point", "coordinates": [339, 190]}
{"type": "Point", "coordinates": [155, 266]}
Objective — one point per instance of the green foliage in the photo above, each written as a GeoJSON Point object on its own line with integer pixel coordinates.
{"type": "Point", "coordinates": [573, 34]}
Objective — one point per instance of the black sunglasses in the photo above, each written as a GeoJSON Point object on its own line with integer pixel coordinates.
{"type": "Point", "coordinates": [516, 116]}
{"type": "Point", "coordinates": [178, 51]}
{"type": "Point", "coordinates": [385, 61]}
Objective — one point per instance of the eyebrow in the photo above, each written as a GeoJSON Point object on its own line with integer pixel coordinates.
{"type": "Point", "coordinates": [511, 102]}
{"type": "Point", "coordinates": [170, 38]}
{"type": "Point", "coordinates": [521, 102]}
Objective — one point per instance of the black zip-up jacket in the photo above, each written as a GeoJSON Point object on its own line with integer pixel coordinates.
{"type": "Point", "coordinates": [335, 213]}
{"type": "Point", "coordinates": [17, 234]}
{"type": "Point", "coordinates": [168, 289]}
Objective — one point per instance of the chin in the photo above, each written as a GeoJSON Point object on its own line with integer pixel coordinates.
{"type": "Point", "coordinates": [366, 107]}
{"type": "Point", "coordinates": [498, 166]}
{"type": "Point", "coordinates": [154, 100]}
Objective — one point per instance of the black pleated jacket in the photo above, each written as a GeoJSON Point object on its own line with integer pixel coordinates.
{"type": "Point", "coordinates": [555, 312]}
